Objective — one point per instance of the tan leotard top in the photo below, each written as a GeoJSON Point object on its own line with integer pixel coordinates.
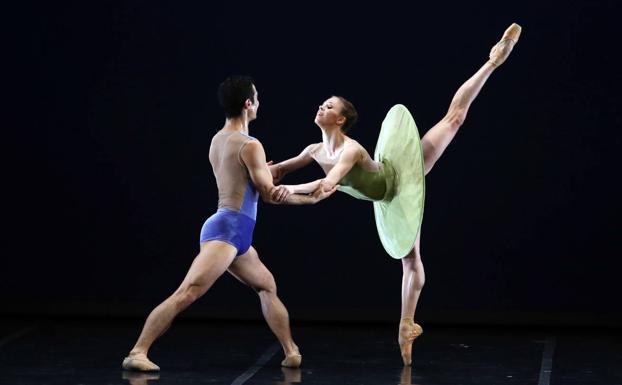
{"type": "Point", "coordinates": [235, 188]}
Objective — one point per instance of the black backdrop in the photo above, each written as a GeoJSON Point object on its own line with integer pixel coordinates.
{"type": "Point", "coordinates": [109, 180]}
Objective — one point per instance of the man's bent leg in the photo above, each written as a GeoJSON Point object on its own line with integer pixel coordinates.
{"type": "Point", "coordinates": [249, 269]}
{"type": "Point", "coordinates": [212, 261]}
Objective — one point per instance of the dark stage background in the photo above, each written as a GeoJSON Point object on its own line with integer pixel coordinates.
{"type": "Point", "coordinates": [109, 180]}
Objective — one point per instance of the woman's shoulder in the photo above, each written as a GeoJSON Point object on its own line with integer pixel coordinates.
{"type": "Point", "coordinates": [353, 145]}
{"type": "Point", "coordinates": [356, 146]}
{"type": "Point", "coordinates": [313, 148]}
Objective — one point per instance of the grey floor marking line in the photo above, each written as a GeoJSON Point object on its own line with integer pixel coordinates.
{"type": "Point", "coordinates": [16, 335]}
{"type": "Point", "coordinates": [547, 362]}
{"type": "Point", "coordinates": [261, 361]}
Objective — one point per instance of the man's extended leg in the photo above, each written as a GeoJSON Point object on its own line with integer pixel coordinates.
{"type": "Point", "coordinates": [212, 261]}
{"type": "Point", "coordinates": [249, 269]}
{"type": "Point", "coordinates": [436, 140]}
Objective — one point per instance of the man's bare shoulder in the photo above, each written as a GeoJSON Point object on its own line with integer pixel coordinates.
{"type": "Point", "coordinates": [253, 145]}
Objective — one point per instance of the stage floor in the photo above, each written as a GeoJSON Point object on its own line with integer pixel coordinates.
{"type": "Point", "coordinates": [90, 351]}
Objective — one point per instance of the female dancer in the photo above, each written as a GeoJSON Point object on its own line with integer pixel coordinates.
{"type": "Point", "coordinates": [394, 180]}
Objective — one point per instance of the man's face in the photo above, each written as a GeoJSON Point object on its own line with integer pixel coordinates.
{"type": "Point", "coordinates": [252, 111]}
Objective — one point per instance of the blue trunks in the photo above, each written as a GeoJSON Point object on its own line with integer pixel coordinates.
{"type": "Point", "coordinates": [231, 226]}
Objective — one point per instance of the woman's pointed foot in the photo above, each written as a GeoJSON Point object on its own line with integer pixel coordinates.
{"type": "Point", "coordinates": [502, 49]}
{"type": "Point", "coordinates": [409, 330]}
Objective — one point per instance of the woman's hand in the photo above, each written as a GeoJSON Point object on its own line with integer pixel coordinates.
{"type": "Point", "coordinates": [322, 192]}
{"type": "Point", "coordinates": [325, 186]}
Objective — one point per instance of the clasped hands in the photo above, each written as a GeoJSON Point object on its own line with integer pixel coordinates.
{"type": "Point", "coordinates": [280, 193]}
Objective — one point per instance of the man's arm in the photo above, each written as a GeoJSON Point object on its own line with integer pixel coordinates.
{"type": "Point", "coordinates": [254, 157]}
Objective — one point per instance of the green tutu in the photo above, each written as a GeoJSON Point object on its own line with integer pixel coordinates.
{"type": "Point", "coordinates": [398, 189]}
{"type": "Point", "coordinates": [400, 213]}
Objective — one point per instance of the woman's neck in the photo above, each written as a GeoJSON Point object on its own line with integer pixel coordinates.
{"type": "Point", "coordinates": [333, 140]}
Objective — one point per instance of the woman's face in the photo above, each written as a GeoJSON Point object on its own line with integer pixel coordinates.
{"type": "Point", "coordinates": [329, 113]}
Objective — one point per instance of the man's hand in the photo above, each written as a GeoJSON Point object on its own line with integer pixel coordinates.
{"type": "Point", "coordinates": [280, 193]}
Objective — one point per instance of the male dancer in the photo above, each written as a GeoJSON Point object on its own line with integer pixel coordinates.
{"type": "Point", "coordinates": [239, 164]}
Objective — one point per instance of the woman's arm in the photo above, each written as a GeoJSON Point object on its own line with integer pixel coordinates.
{"type": "Point", "coordinates": [305, 188]}
{"type": "Point", "coordinates": [280, 169]}
{"type": "Point", "coordinates": [350, 156]}
{"type": "Point", "coordinates": [254, 158]}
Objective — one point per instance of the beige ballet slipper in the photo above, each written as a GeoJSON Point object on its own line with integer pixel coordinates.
{"type": "Point", "coordinates": [140, 363]}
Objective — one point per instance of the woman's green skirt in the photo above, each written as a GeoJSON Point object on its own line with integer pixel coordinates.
{"type": "Point", "coordinates": [399, 215]}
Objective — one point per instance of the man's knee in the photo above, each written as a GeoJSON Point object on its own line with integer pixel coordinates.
{"type": "Point", "coordinates": [185, 296]}
{"type": "Point", "coordinates": [267, 287]}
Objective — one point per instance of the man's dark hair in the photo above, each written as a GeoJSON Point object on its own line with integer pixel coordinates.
{"type": "Point", "coordinates": [233, 92]}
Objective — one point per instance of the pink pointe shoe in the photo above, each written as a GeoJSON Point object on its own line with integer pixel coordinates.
{"type": "Point", "coordinates": [409, 330]}
{"type": "Point", "coordinates": [502, 49]}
